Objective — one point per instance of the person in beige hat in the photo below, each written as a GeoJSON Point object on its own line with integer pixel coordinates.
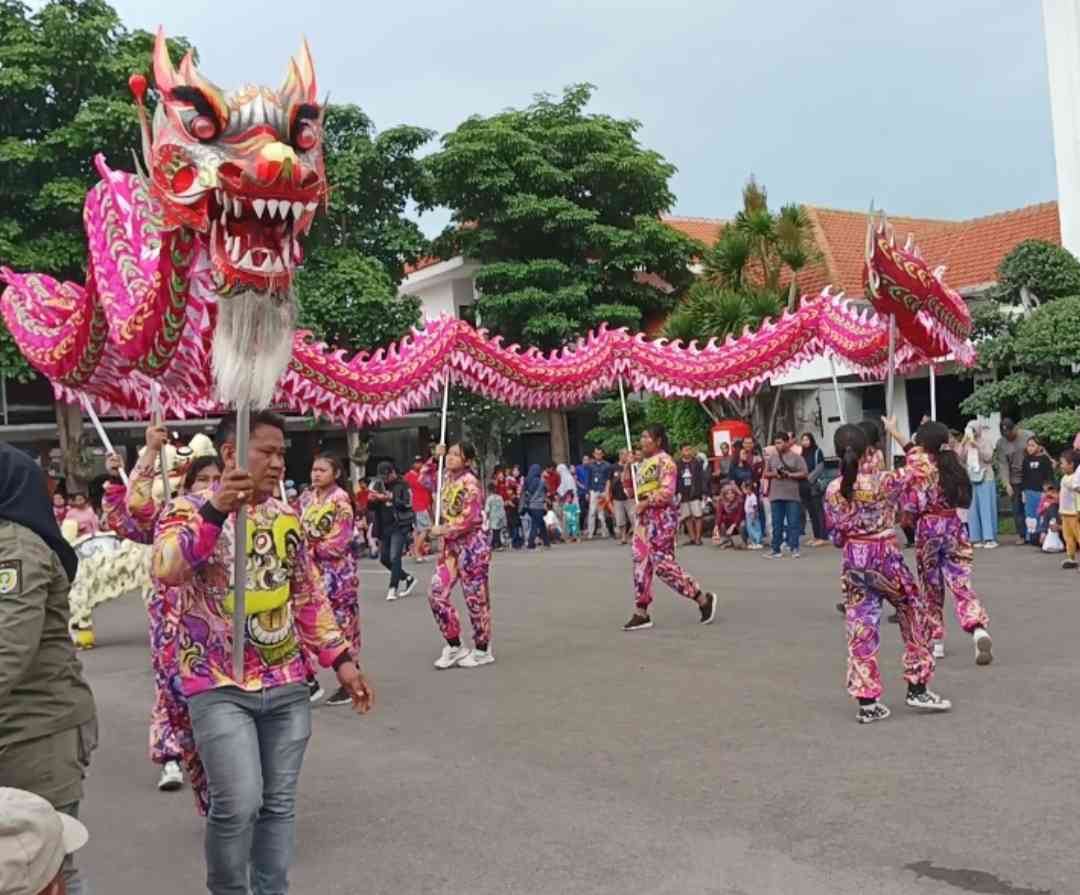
{"type": "Point", "coordinates": [35, 841]}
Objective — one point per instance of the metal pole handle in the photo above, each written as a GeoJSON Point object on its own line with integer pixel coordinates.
{"type": "Point", "coordinates": [243, 431]}
{"type": "Point", "coordinates": [442, 441]}
{"type": "Point", "coordinates": [89, 409]}
{"type": "Point", "coordinates": [629, 441]}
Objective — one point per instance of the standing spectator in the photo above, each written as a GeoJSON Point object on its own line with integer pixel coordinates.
{"type": "Point", "coordinates": [752, 522]}
{"type": "Point", "coordinates": [721, 467]}
{"type": "Point", "coordinates": [507, 489]}
{"type": "Point", "coordinates": [1010, 465]}
{"type": "Point", "coordinates": [60, 506]}
{"type": "Point", "coordinates": [810, 489]}
{"type": "Point", "coordinates": [82, 514]}
{"type": "Point", "coordinates": [691, 493]}
{"type": "Point", "coordinates": [392, 500]}
{"type": "Point", "coordinates": [1038, 469]}
{"type": "Point", "coordinates": [623, 496]}
{"type": "Point", "coordinates": [533, 502]}
{"type": "Point", "coordinates": [581, 473]}
{"type": "Point", "coordinates": [496, 517]}
{"type": "Point", "coordinates": [551, 480]}
{"type": "Point", "coordinates": [567, 496]}
{"type": "Point", "coordinates": [784, 470]}
{"type": "Point", "coordinates": [421, 504]}
{"type": "Point", "coordinates": [48, 725]}
{"type": "Point", "coordinates": [599, 494]}
{"type": "Point", "coordinates": [977, 455]}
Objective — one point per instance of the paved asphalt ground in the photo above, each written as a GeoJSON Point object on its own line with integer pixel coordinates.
{"type": "Point", "coordinates": [685, 759]}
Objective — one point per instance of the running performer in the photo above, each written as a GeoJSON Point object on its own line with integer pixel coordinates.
{"type": "Point", "coordinates": [465, 557]}
{"type": "Point", "coordinates": [326, 515]}
{"type": "Point", "coordinates": [861, 509]}
{"type": "Point", "coordinates": [655, 528]}
{"type": "Point", "coordinates": [936, 485]}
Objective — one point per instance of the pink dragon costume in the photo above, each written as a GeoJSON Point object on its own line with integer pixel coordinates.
{"type": "Point", "coordinates": [327, 522]}
{"type": "Point", "coordinates": [944, 553]}
{"type": "Point", "coordinates": [655, 529]}
{"type": "Point", "coordinates": [873, 570]}
{"type": "Point", "coordinates": [465, 557]}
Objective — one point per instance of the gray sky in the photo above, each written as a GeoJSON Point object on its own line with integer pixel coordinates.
{"type": "Point", "coordinates": [930, 107]}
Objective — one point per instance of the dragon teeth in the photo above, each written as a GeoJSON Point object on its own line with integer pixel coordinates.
{"type": "Point", "coordinates": [311, 206]}
{"type": "Point", "coordinates": [283, 208]}
{"type": "Point", "coordinates": [273, 204]}
{"type": "Point", "coordinates": [298, 210]}
{"type": "Point", "coordinates": [238, 207]}
{"type": "Point", "coordinates": [246, 260]}
{"type": "Point", "coordinates": [278, 266]}
{"type": "Point", "coordinates": [260, 206]}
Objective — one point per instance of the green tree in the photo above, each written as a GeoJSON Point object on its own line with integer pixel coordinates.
{"type": "Point", "coordinates": [562, 208]}
{"type": "Point", "coordinates": [356, 253]}
{"type": "Point", "coordinates": [63, 79]}
{"type": "Point", "coordinates": [489, 424]}
{"type": "Point", "coordinates": [685, 420]}
{"type": "Point", "coordinates": [1028, 354]}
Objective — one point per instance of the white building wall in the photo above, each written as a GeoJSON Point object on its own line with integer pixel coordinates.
{"type": "Point", "coordinates": [444, 288]}
{"type": "Point", "coordinates": [1061, 24]}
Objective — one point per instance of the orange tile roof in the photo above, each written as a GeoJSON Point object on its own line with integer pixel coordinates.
{"type": "Point", "coordinates": [706, 230]}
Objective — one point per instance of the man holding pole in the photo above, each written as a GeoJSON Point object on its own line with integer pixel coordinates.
{"type": "Point", "coordinates": [251, 730]}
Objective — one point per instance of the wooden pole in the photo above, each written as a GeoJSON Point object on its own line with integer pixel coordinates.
{"type": "Point", "coordinates": [889, 385]}
{"type": "Point", "coordinates": [629, 440]}
{"type": "Point", "coordinates": [243, 432]}
{"type": "Point", "coordinates": [100, 429]}
{"type": "Point", "coordinates": [157, 418]}
{"type": "Point", "coordinates": [836, 390]}
{"type": "Point", "coordinates": [442, 441]}
{"type": "Point", "coordinates": [933, 393]}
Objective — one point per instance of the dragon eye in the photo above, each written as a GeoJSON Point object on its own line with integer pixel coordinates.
{"type": "Point", "coordinates": [306, 136]}
{"type": "Point", "coordinates": [203, 127]}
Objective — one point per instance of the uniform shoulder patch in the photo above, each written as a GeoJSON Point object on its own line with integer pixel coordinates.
{"type": "Point", "coordinates": [10, 576]}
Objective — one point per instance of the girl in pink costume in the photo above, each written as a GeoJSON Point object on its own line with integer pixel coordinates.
{"type": "Point", "coordinates": [326, 516]}
{"type": "Point", "coordinates": [936, 485]}
{"type": "Point", "coordinates": [465, 557]}
{"type": "Point", "coordinates": [655, 528]}
{"type": "Point", "coordinates": [861, 510]}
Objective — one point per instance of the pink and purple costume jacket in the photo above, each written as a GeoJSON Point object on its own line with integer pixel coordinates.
{"type": "Point", "coordinates": [327, 521]}
{"type": "Point", "coordinates": [873, 570]}
{"type": "Point", "coordinates": [287, 611]}
{"type": "Point", "coordinates": [655, 528]}
{"type": "Point", "coordinates": [465, 556]}
{"type": "Point", "coordinates": [943, 548]}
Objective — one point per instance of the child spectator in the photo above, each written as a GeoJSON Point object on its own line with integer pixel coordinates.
{"type": "Point", "coordinates": [495, 510]}
{"type": "Point", "coordinates": [1069, 507]}
{"type": "Point", "coordinates": [752, 526]}
{"type": "Point", "coordinates": [59, 505]}
{"type": "Point", "coordinates": [1049, 521]}
{"type": "Point", "coordinates": [551, 520]}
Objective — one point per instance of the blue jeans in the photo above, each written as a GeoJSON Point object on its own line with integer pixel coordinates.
{"type": "Point", "coordinates": [252, 746]}
{"type": "Point", "coordinates": [1031, 511]}
{"type": "Point", "coordinates": [786, 513]}
{"type": "Point", "coordinates": [982, 516]}
{"type": "Point", "coordinates": [753, 530]}
{"type": "Point", "coordinates": [537, 528]}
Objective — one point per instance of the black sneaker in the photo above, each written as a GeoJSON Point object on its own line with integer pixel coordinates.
{"type": "Point", "coordinates": [315, 691]}
{"type": "Point", "coordinates": [894, 619]}
{"type": "Point", "coordinates": [1069, 564]}
{"type": "Point", "coordinates": [841, 608]}
{"type": "Point", "coordinates": [876, 711]}
{"type": "Point", "coordinates": [407, 586]}
{"type": "Point", "coordinates": [708, 611]}
{"type": "Point", "coordinates": [339, 697]}
{"type": "Point", "coordinates": [638, 623]}
{"type": "Point", "coordinates": [928, 701]}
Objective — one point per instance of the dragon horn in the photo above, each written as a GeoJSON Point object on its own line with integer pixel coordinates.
{"type": "Point", "coordinates": [301, 74]}
{"type": "Point", "coordinates": [164, 74]}
{"type": "Point", "coordinates": [137, 84]}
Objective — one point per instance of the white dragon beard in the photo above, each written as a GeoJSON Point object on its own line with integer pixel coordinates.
{"type": "Point", "coordinates": [253, 343]}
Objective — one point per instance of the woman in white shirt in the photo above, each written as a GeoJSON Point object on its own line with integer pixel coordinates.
{"type": "Point", "coordinates": [977, 454]}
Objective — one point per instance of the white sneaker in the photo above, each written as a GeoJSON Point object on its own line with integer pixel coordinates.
{"type": "Point", "coordinates": [928, 701]}
{"type": "Point", "coordinates": [391, 594]}
{"type": "Point", "coordinates": [990, 545]}
{"type": "Point", "coordinates": [451, 656]}
{"type": "Point", "coordinates": [939, 649]}
{"type": "Point", "coordinates": [477, 658]}
{"type": "Point", "coordinates": [983, 646]}
{"type": "Point", "coordinates": [172, 778]}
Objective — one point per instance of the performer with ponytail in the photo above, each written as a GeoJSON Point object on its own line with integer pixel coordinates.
{"type": "Point", "coordinates": [861, 509]}
{"type": "Point", "coordinates": [465, 557]}
{"type": "Point", "coordinates": [655, 528]}
{"type": "Point", "coordinates": [326, 515]}
{"type": "Point", "coordinates": [936, 486]}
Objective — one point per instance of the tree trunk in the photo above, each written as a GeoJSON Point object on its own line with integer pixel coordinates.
{"type": "Point", "coordinates": [793, 294]}
{"type": "Point", "coordinates": [769, 432]}
{"type": "Point", "coordinates": [560, 436]}
{"type": "Point", "coordinates": [69, 425]}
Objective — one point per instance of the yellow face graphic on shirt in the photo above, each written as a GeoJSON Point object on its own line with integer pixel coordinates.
{"type": "Point", "coordinates": [271, 552]}
{"type": "Point", "coordinates": [454, 500]}
{"type": "Point", "coordinates": [648, 476]}
{"type": "Point", "coordinates": [319, 520]}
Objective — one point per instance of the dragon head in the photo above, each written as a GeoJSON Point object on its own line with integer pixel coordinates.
{"type": "Point", "coordinates": [244, 168]}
